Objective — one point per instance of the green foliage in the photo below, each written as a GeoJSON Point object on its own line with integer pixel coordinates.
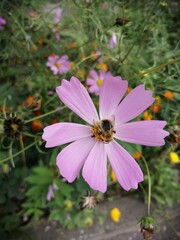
{"type": "Point", "coordinates": [146, 52]}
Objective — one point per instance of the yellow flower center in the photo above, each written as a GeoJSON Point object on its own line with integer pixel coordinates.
{"type": "Point", "coordinates": [14, 127]}
{"type": "Point", "coordinates": [103, 131]}
{"type": "Point", "coordinates": [57, 65]}
{"type": "Point", "coordinates": [99, 82]}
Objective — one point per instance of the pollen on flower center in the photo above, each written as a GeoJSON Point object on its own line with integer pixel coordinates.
{"type": "Point", "coordinates": [103, 131]}
{"type": "Point", "coordinates": [99, 82]}
{"type": "Point", "coordinates": [57, 65]}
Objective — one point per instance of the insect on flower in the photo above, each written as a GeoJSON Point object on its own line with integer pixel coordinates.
{"type": "Point", "coordinates": [95, 143]}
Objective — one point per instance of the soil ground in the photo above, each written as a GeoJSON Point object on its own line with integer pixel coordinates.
{"type": "Point", "coordinates": [132, 211]}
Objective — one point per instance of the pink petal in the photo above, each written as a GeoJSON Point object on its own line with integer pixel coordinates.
{"type": "Point", "coordinates": [148, 133]}
{"type": "Point", "coordinates": [127, 171]}
{"type": "Point", "coordinates": [61, 133]}
{"type": "Point", "coordinates": [71, 159]}
{"type": "Point", "coordinates": [54, 69]}
{"type": "Point", "coordinates": [93, 89]}
{"type": "Point", "coordinates": [95, 168]}
{"type": "Point", "coordinates": [94, 74]}
{"type": "Point", "coordinates": [74, 95]}
{"type": "Point", "coordinates": [90, 81]}
{"type": "Point", "coordinates": [133, 104]}
{"type": "Point", "coordinates": [111, 92]}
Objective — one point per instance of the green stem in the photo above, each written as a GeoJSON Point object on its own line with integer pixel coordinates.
{"type": "Point", "coordinates": [155, 68]}
{"type": "Point", "coordinates": [46, 114]}
{"type": "Point", "coordinates": [16, 154]}
{"type": "Point", "coordinates": [149, 184]}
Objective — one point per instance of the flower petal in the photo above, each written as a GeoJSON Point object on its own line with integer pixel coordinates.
{"type": "Point", "coordinates": [111, 92]}
{"type": "Point", "coordinates": [127, 171]}
{"type": "Point", "coordinates": [71, 159]}
{"type": "Point", "coordinates": [61, 133]}
{"type": "Point", "coordinates": [133, 104]}
{"type": "Point", "coordinates": [93, 74]}
{"type": "Point", "coordinates": [148, 133]}
{"type": "Point", "coordinates": [95, 168]}
{"type": "Point", "coordinates": [74, 95]}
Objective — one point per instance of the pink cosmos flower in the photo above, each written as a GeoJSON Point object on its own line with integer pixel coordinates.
{"type": "Point", "coordinates": [2, 23]}
{"type": "Point", "coordinates": [50, 194]}
{"type": "Point", "coordinates": [113, 41]}
{"type": "Point", "coordinates": [94, 143]}
{"type": "Point", "coordinates": [58, 15]}
{"type": "Point", "coordinates": [58, 65]}
{"type": "Point", "coordinates": [95, 80]}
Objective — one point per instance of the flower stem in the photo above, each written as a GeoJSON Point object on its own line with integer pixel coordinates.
{"type": "Point", "coordinates": [155, 68]}
{"type": "Point", "coordinates": [16, 154]}
{"type": "Point", "coordinates": [149, 184]}
{"type": "Point", "coordinates": [46, 114]}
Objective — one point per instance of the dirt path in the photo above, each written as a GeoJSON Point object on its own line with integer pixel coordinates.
{"type": "Point", "coordinates": [127, 229]}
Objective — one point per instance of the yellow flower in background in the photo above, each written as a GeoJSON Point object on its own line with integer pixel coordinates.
{"type": "Point", "coordinates": [158, 100]}
{"type": "Point", "coordinates": [147, 115]}
{"type": "Point", "coordinates": [113, 176]}
{"type": "Point", "coordinates": [115, 214]}
{"type": "Point", "coordinates": [174, 157]}
{"type": "Point", "coordinates": [169, 95]}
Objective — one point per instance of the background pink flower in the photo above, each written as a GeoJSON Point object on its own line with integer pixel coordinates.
{"type": "Point", "coordinates": [113, 41]}
{"type": "Point", "coordinates": [95, 80]}
{"type": "Point", "coordinates": [50, 194]}
{"type": "Point", "coordinates": [2, 23]}
{"type": "Point", "coordinates": [58, 15]}
{"type": "Point", "coordinates": [58, 65]}
{"type": "Point", "coordinates": [95, 143]}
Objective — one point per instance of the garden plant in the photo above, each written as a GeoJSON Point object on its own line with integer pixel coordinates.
{"type": "Point", "coordinates": [89, 110]}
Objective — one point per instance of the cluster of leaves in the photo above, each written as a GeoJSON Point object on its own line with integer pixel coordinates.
{"type": "Point", "coordinates": [146, 52]}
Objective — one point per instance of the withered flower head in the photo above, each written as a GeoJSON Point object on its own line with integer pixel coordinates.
{"type": "Point", "coordinates": [121, 21]}
{"type": "Point", "coordinates": [13, 126]}
{"type": "Point", "coordinates": [147, 226]}
{"type": "Point", "coordinates": [88, 201]}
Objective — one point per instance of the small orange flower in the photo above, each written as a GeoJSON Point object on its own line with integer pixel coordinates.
{"type": "Point", "coordinates": [32, 14]}
{"type": "Point", "coordinates": [147, 115]}
{"type": "Point", "coordinates": [137, 155]}
{"type": "Point", "coordinates": [72, 64]}
{"type": "Point", "coordinates": [169, 95]}
{"type": "Point", "coordinates": [37, 125]}
{"type": "Point", "coordinates": [71, 45]}
{"type": "Point", "coordinates": [102, 66]}
{"type": "Point", "coordinates": [156, 108]}
{"type": "Point", "coordinates": [29, 101]}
